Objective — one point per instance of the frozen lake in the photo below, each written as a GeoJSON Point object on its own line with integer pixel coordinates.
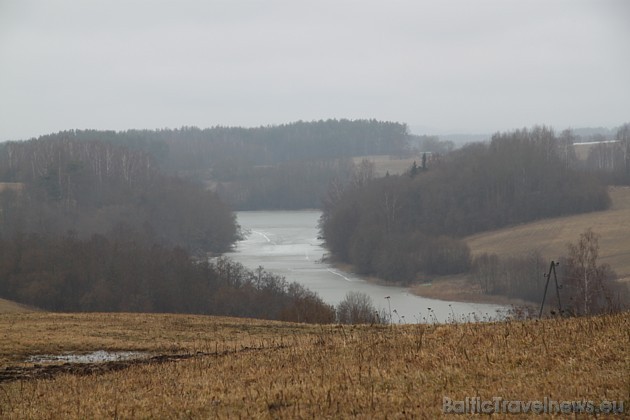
{"type": "Point", "coordinates": [285, 243]}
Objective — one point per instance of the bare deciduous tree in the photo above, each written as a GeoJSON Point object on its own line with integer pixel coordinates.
{"type": "Point", "coordinates": [591, 286]}
{"type": "Point", "coordinates": [356, 308]}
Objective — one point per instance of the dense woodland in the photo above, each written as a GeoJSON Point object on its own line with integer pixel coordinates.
{"type": "Point", "coordinates": [610, 160]}
{"type": "Point", "coordinates": [125, 271]}
{"type": "Point", "coordinates": [156, 202]}
{"type": "Point", "coordinates": [403, 228]}
{"type": "Point", "coordinates": [89, 187]}
{"type": "Point", "coordinates": [285, 166]}
{"type": "Point", "coordinates": [106, 221]}
{"type": "Point", "coordinates": [288, 186]}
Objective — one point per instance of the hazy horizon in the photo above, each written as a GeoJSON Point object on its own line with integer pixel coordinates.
{"type": "Point", "coordinates": [442, 67]}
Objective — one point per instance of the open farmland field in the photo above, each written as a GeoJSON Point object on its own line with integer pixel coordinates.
{"type": "Point", "coordinates": [551, 236]}
{"type": "Point", "coordinates": [204, 367]}
{"type": "Point", "coordinates": [392, 164]}
{"type": "Point", "coordinates": [8, 306]}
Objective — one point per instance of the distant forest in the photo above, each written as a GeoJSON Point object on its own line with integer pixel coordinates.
{"type": "Point", "coordinates": [87, 187]}
{"type": "Point", "coordinates": [404, 228]}
{"type": "Point", "coordinates": [104, 220]}
{"type": "Point", "coordinates": [276, 167]}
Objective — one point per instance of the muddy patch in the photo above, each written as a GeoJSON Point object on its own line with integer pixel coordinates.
{"type": "Point", "coordinates": [99, 356]}
{"type": "Point", "coordinates": [49, 366]}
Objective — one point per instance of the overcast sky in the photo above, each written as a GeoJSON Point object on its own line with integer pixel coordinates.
{"type": "Point", "coordinates": [441, 66]}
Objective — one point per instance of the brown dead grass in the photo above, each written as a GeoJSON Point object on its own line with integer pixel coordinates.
{"type": "Point", "coordinates": [458, 288]}
{"type": "Point", "coordinates": [392, 164]}
{"type": "Point", "coordinates": [551, 236]}
{"type": "Point", "coordinates": [8, 307]}
{"type": "Point", "coordinates": [27, 334]}
{"type": "Point", "coordinates": [315, 371]}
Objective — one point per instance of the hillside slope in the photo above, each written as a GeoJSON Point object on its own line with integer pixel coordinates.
{"type": "Point", "coordinates": [207, 367]}
{"type": "Point", "coordinates": [551, 236]}
{"type": "Point", "coordinates": [10, 307]}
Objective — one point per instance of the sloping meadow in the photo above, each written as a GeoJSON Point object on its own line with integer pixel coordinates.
{"type": "Point", "coordinates": [247, 368]}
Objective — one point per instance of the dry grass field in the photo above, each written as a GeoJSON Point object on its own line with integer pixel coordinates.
{"type": "Point", "coordinates": [551, 236]}
{"type": "Point", "coordinates": [235, 368]}
{"type": "Point", "coordinates": [8, 306]}
{"type": "Point", "coordinates": [392, 164]}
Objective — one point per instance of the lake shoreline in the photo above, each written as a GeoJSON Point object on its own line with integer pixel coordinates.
{"type": "Point", "coordinates": [288, 244]}
{"type": "Point", "coordinates": [446, 288]}
{"type": "Point", "coordinates": [459, 289]}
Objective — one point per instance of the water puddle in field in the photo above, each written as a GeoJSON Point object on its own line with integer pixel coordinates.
{"type": "Point", "coordinates": [46, 366]}
{"type": "Point", "coordinates": [98, 356]}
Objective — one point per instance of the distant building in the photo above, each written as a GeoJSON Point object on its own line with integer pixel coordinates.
{"type": "Point", "coordinates": [583, 149]}
{"type": "Point", "coordinates": [11, 186]}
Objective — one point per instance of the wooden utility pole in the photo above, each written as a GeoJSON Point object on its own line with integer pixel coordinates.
{"type": "Point", "coordinates": [552, 267]}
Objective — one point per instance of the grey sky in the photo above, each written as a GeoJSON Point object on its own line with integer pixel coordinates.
{"type": "Point", "coordinates": [445, 65]}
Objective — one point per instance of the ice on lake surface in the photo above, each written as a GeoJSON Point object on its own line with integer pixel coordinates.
{"type": "Point", "coordinates": [287, 243]}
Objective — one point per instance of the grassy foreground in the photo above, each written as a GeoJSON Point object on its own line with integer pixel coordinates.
{"type": "Point", "coordinates": [261, 369]}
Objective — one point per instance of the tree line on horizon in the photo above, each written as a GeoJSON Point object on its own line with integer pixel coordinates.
{"type": "Point", "coordinates": [248, 165]}
{"type": "Point", "coordinates": [177, 189]}
{"type": "Point", "coordinates": [409, 227]}
{"type": "Point", "coordinates": [118, 221]}
{"type": "Point", "coordinates": [290, 165]}
{"type": "Point", "coordinates": [609, 160]}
